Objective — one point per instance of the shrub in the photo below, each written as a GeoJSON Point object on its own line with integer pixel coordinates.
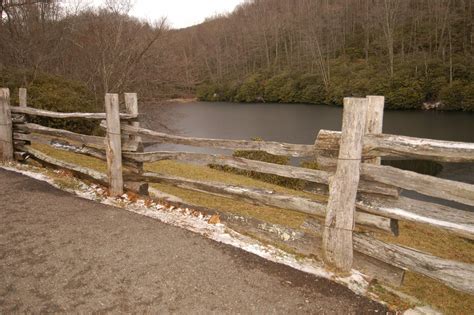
{"type": "Point", "coordinates": [55, 94]}
{"type": "Point", "coordinates": [312, 89]}
{"type": "Point", "coordinates": [252, 90]}
{"type": "Point", "coordinates": [468, 101]}
{"type": "Point", "coordinates": [206, 92]}
{"type": "Point", "coordinates": [452, 97]}
{"type": "Point", "coordinates": [402, 92]}
{"type": "Point", "coordinates": [273, 88]}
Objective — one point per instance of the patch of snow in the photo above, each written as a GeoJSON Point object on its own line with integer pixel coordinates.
{"type": "Point", "coordinates": [422, 310]}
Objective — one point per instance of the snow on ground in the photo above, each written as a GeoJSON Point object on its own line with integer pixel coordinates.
{"type": "Point", "coordinates": [194, 221]}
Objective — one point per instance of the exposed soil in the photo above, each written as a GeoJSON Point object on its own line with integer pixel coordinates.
{"type": "Point", "coordinates": [60, 253]}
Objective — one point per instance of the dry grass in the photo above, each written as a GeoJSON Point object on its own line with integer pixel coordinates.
{"type": "Point", "coordinates": [436, 294]}
{"type": "Point", "coordinates": [273, 215]}
{"type": "Point", "coordinates": [204, 173]}
{"type": "Point", "coordinates": [81, 160]}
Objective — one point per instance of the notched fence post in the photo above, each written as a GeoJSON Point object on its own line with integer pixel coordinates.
{"type": "Point", "coordinates": [134, 143]}
{"type": "Point", "coordinates": [339, 223]}
{"type": "Point", "coordinates": [6, 128]}
{"type": "Point", "coordinates": [113, 144]}
{"type": "Point", "coordinates": [22, 97]}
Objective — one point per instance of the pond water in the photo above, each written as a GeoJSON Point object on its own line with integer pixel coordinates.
{"type": "Point", "coordinates": [300, 123]}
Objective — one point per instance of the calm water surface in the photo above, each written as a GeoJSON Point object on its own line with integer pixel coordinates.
{"type": "Point", "coordinates": [300, 123]}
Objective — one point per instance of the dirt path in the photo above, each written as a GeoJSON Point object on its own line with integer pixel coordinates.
{"type": "Point", "coordinates": [60, 253]}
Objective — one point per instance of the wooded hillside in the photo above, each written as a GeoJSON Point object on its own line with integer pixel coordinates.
{"type": "Point", "coordinates": [319, 51]}
{"type": "Point", "coordinates": [312, 51]}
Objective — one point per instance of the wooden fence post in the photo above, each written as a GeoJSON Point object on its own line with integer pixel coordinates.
{"type": "Point", "coordinates": [113, 145]}
{"type": "Point", "coordinates": [131, 105]}
{"type": "Point", "coordinates": [135, 142]}
{"type": "Point", "coordinates": [6, 131]}
{"type": "Point", "coordinates": [22, 97]}
{"type": "Point", "coordinates": [374, 125]}
{"type": "Point", "coordinates": [339, 223]}
{"type": "Point", "coordinates": [374, 122]}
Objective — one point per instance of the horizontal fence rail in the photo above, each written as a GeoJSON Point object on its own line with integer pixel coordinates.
{"type": "Point", "coordinates": [315, 176]}
{"type": "Point", "coordinates": [277, 148]}
{"type": "Point", "coordinates": [327, 143]}
{"type": "Point", "coordinates": [266, 197]}
{"type": "Point", "coordinates": [377, 207]}
{"type": "Point", "coordinates": [45, 113]}
{"type": "Point", "coordinates": [409, 180]}
{"type": "Point", "coordinates": [76, 137]}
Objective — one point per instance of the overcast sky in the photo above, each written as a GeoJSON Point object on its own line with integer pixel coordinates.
{"type": "Point", "coordinates": [180, 13]}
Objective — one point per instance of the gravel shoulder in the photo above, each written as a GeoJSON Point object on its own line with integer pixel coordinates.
{"type": "Point", "coordinates": [61, 253]}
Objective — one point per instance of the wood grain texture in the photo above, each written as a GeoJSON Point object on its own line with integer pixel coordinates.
{"type": "Point", "coordinates": [86, 140]}
{"type": "Point", "coordinates": [131, 107]}
{"type": "Point", "coordinates": [375, 145]}
{"type": "Point", "coordinates": [45, 113]}
{"type": "Point", "coordinates": [278, 148]}
{"type": "Point", "coordinates": [450, 219]}
{"type": "Point", "coordinates": [134, 142]}
{"type": "Point", "coordinates": [22, 97]}
{"type": "Point", "coordinates": [6, 126]}
{"type": "Point", "coordinates": [113, 145]}
{"type": "Point", "coordinates": [339, 222]}
{"type": "Point", "coordinates": [457, 275]}
{"type": "Point", "coordinates": [423, 184]}
{"type": "Point", "coordinates": [374, 123]}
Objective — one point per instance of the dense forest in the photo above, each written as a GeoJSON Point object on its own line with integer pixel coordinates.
{"type": "Point", "coordinates": [418, 53]}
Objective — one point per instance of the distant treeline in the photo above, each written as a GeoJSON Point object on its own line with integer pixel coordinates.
{"type": "Point", "coordinates": [414, 52]}
{"type": "Point", "coordinates": [403, 91]}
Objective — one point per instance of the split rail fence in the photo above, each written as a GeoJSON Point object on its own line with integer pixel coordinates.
{"type": "Point", "coordinates": [361, 194]}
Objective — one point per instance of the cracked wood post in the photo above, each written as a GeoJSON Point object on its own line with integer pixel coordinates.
{"type": "Point", "coordinates": [113, 145]}
{"type": "Point", "coordinates": [22, 102]}
{"type": "Point", "coordinates": [339, 223]}
{"type": "Point", "coordinates": [131, 105]}
{"type": "Point", "coordinates": [374, 125]}
{"type": "Point", "coordinates": [22, 97]}
{"type": "Point", "coordinates": [6, 131]}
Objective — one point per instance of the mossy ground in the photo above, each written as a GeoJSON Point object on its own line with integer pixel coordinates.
{"type": "Point", "coordinates": [436, 242]}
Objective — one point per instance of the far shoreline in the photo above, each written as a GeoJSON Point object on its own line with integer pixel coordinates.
{"type": "Point", "coordinates": [191, 100]}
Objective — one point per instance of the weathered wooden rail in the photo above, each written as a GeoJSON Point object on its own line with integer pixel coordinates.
{"type": "Point", "coordinates": [361, 195]}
